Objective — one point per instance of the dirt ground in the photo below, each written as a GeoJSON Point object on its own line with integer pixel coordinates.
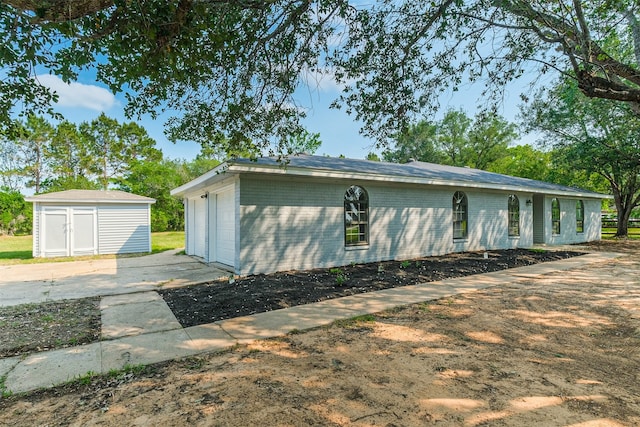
{"type": "Point", "coordinates": [562, 350]}
{"type": "Point", "coordinates": [30, 328]}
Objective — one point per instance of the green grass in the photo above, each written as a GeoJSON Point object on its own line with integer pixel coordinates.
{"type": "Point", "coordinates": [355, 321]}
{"type": "Point", "coordinates": [3, 388]}
{"type": "Point", "coordinates": [634, 233]}
{"type": "Point", "coordinates": [166, 241]}
{"type": "Point", "coordinates": [15, 248]}
{"type": "Point", "coordinates": [19, 249]}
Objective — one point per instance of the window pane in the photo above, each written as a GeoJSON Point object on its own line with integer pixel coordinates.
{"type": "Point", "coordinates": [459, 215]}
{"type": "Point", "coordinates": [555, 216]}
{"type": "Point", "coordinates": [579, 216]}
{"type": "Point", "coordinates": [356, 216]}
{"type": "Point", "coordinates": [513, 215]}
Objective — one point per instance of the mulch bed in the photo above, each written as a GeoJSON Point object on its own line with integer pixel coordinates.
{"type": "Point", "coordinates": [224, 299]}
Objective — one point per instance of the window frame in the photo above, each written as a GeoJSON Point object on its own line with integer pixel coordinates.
{"type": "Point", "coordinates": [579, 216]}
{"type": "Point", "coordinates": [555, 217]}
{"type": "Point", "coordinates": [513, 216]}
{"type": "Point", "coordinates": [460, 215]}
{"type": "Point", "coordinates": [358, 207]}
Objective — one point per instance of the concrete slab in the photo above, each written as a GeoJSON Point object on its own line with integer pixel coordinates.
{"type": "Point", "coordinates": [138, 297]}
{"type": "Point", "coordinates": [145, 349]}
{"type": "Point", "coordinates": [374, 302]}
{"type": "Point", "coordinates": [209, 337]}
{"type": "Point", "coordinates": [120, 320]}
{"type": "Point", "coordinates": [34, 283]}
{"type": "Point", "coordinates": [280, 322]}
{"type": "Point", "coordinates": [54, 367]}
{"type": "Point", "coordinates": [7, 364]}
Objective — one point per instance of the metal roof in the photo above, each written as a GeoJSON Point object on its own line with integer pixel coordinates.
{"type": "Point", "coordinates": [412, 172]}
{"type": "Point", "coordinates": [90, 196]}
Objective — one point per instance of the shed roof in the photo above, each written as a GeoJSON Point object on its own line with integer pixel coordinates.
{"type": "Point", "coordinates": [90, 196]}
{"type": "Point", "coordinates": [412, 172]}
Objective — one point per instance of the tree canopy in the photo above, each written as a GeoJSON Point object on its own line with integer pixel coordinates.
{"type": "Point", "coordinates": [596, 136]}
{"type": "Point", "coordinates": [455, 140]}
{"type": "Point", "coordinates": [98, 154]}
{"type": "Point", "coordinates": [231, 68]}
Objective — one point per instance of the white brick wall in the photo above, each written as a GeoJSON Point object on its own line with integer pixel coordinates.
{"type": "Point", "coordinates": [568, 234]}
{"type": "Point", "coordinates": [288, 224]}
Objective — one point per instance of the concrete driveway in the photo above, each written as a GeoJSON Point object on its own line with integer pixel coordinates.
{"type": "Point", "coordinates": [32, 283]}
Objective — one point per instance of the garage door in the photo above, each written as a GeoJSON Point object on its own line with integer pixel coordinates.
{"type": "Point", "coordinates": [225, 227]}
{"type": "Point", "coordinates": [199, 226]}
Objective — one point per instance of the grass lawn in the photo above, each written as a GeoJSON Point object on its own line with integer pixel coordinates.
{"type": "Point", "coordinates": [167, 240]}
{"type": "Point", "coordinates": [607, 233]}
{"type": "Point", "coordinates": [15, 248]}
{"type": "Point", "coordinates": [18, 249]}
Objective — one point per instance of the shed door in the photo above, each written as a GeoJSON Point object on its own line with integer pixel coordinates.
{"type": "Point", "coordinates": [83, 231]}
{"type": "Point", "coordinates": [69, 231]}
{"type": "Point", "coordinates": [225, 227]}
{"type": "Point", "coordinates": [55, 232]}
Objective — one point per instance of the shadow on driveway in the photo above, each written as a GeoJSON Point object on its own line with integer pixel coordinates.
{"type": "Point", "coordinates": [33, 283]}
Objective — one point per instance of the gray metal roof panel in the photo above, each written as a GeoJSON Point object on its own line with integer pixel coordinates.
{"type": "Point", "coordinates": [414, 169]}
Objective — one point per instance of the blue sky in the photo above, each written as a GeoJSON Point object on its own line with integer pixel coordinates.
{"type": "Point", "coordinates": [86, 99]}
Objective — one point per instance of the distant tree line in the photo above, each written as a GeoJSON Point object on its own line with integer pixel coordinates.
{"type": "Point", "coordinates": [588, 143]}
{"type": "Point", "coordinates": [101, 154]}
{"type": "Point", "coordinates": [487, 142]}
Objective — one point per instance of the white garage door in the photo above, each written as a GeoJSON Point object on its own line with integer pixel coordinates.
{"type": "Point", "coordinates": [199, 226]}
{"type": "Point", "coordinates": [225, 227]}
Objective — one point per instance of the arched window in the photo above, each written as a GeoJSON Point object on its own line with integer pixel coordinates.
{"type": "Point", "coordinates": [555, 216]}
{"type": "Point", "coordinates": [459, 215]}
{"type": "Point", "coordinates": [579, 216]}
{"type": "Point", "coordinates": [356, 216]}
{"type": "Point", "coordinates": [514, 215]}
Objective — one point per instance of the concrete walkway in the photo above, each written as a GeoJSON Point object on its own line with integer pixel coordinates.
{"type": "Point", "coordinates": [34, 283]}
{"type": "Point", "coordinates": [141, 329]}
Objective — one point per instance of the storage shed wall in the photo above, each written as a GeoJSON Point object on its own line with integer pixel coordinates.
{"type": "Point", "coordinates": [124, 228]}
{"type": "Point", "coordinates": [299, 223]}
{"type": "Point", "coordinates": [37, 229]}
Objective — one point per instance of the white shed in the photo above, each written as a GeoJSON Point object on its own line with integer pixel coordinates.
{"type": "Point", "coordinates": [90, 222]}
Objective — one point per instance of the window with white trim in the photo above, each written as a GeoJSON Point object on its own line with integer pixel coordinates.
{"type": "Point", "coordinates": [356, 216]}
{"type": "Point", "coordinates": [555, 216]}
{"type": "Point", "coordinates": [514, 215]}
{"type": "Point", "coordinates": [460, 215]}
{"type": "Point", "coordinates": [579, 217]}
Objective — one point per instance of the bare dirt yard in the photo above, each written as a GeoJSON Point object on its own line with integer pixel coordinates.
{"type": "Point", "coordinates": [561, 350]}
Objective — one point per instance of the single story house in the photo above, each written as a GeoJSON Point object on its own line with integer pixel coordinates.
{"type": "Point", "coordinates": [259, 216]}
{"type": "Point", "coordinates": [90, 222]}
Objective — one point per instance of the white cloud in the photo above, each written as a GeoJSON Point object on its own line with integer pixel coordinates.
{"type": "Point", "coordinates": [78, 94]}
{"type": "Point", "coordinates": [324, 80]}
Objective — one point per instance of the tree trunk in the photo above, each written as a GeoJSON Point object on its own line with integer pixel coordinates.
{"type": "Point", "coordinates": [623, 224]}
{"type": "Point", "coordinates": [624, 208]}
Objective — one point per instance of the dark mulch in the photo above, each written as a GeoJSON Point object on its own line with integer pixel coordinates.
{"type": "Point", "coordinates": [210, 302]}
{"type": "Point", "coordinates": [29, 328]}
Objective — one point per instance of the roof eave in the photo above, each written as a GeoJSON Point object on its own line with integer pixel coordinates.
{"type": "Point", "coordinates": [202, 181]}
{"type": "Point", "coordinates": [76, 201]}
